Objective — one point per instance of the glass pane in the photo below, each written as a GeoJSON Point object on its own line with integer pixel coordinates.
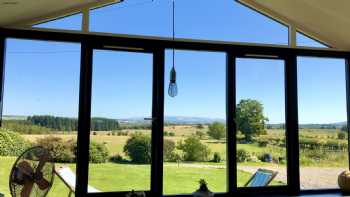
{"type": "Point", "coordinates": [303, 40]}
{"type": "Point", "coordinates": [212, 20]}
{"type": "Point", "coordinates": [72, 22]}
{"type": "Point", "coordinates": [322, 122]}
{"type": "Point", "coordinates": [195, 130]}
{"type": "Point", "coordinates": [260, 119]}
{"type": "Point", "coordinates": [41, 96]}
{"type": "Point", "coordinates": [120, 137]}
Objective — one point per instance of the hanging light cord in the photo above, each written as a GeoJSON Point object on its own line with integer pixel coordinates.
{"type": "Point", "coordinates": [173, 32]}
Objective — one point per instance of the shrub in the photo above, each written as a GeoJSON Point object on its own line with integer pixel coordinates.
{"type": "Point", "coordinates": [166, 133]}
{"type": "Point", "coordinates": [138, 148]}
{"type": "Point", "coordinates": [171, 134]}
{"type": "Point", "coordinates": [94, 133]}
{"type": "Point", "coordinates": [341, 135]}
{"type": "Point", "coordinates": [117, 159]}
{"type": "Point", "coordinates": [200, 134]}
{"type": "Point", "coordinates": [193, 149]}
{"type": "Point", "coordinates": [66, 151]}
{"type": "Point", "coordinates": [263, 143]}
{"type": "Point", "coordinates": [266, 157]}
{"type": "Point", "coordinates": [200, 126]}
{"type": "Point", "coordinates": [169, 147]}
{"type": "Point", "coordinates": [344, 128]}
{"type": "Point", "coordinates": [121, 133]}
{"type": "Point", "coordinates": [216, 157]}
{"type": "Point", "coordinates": [11, 143]}
{"type": "Point", "coordinates": [242, 155]}
{"type": "Point", "coordinates": [61, 151]}
{"type": "Point", "coordinates": [98, 153]}
{"type": "Point", "coordinates": [217, 130]}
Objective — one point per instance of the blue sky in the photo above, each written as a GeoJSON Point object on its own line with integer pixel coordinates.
{"type": "Point", "coordinates": [43, 77]}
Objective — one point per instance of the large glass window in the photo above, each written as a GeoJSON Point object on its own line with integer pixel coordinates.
{"type": "Point", "coordinates": [260, 119]}
{"type": "Point", "coordinates": [41, 94]}
{"type": "Point", "coordinates": [120, 142]}
{"type": "Point", "coordinates": [210, 20]}
{"type": "Point", "coordinates": [322, 122]}
{"type": "Point", "coordinates": [195, 130]}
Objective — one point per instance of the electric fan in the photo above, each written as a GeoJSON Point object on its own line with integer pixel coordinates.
{"type": "Point", "coordinates": [32, 174]}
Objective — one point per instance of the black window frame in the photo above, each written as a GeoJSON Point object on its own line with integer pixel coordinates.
{"type": "Point", "coordinates": [157, 46]}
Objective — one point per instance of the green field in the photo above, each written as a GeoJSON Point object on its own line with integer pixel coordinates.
{"type": "Point", "coordinates": [184, 179]}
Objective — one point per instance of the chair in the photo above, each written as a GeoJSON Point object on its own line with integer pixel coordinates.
{"type": "Point", "coordinates": [261, 178]}
{"type": "Point", "coordinates": [68, 177]}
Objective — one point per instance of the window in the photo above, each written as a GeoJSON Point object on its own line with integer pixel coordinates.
{"type": "Point", "coordinates": [234, 23]}
{"type": "Point", "coordinates": [303, 40]}
{"type": "Point", "coordinates": [41, 94]}
{"type": "Point", "coordinates": [120, 135]}
{"type": "Point", "coordinates": [72, 22]}
{"type": "Point", "coordinates": [194, 131]}
{"type": "Point", "coordinates": [41, 100]}
{"type": "Point", "coordinates": [322, 122]}
{"type": "Point", "coordinates": [260, 119]}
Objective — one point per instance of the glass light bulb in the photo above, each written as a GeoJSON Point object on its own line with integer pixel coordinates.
{"type": "Point", "coordinates": [172, 91]}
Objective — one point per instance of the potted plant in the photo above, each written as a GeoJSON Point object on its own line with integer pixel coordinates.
{"type": "Point", "coordinates": [203, 190]}
{"type": "Point", "coordinates": [136, 194]}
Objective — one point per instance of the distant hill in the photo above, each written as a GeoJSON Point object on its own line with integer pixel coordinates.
{"type": "Point", "coordinates": [195, 120]}
{"type": "Point", "coordinates": [336, 125]}
{"type": "Point", "coordinates": [175, 120]}
{"type": "Point", "coordinates": [10, 117]}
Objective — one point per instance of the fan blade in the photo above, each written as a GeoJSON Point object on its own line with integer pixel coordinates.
{"type": "Point", "coordinates": [27, 188]}
{"type": "Point", "coordinates": [42, 183]}
{"type": "Point", "coordinates": [25, 168]}
{"type": "Point", "coordinates": [42, 162]}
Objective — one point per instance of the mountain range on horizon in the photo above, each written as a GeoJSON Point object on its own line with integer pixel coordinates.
{"type": "Point", "coordinates": [185, 120]}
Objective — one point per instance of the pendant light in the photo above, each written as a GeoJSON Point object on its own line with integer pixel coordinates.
{"type": "Point", "coordinates": [172, 90]}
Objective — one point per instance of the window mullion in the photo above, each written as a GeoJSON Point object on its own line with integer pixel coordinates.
{"type": "Point", "coordinates": [84, 119]}
{"type": "Point", "coordinates": [158, 123]}
{"type": "Point", "coordinates": [292, 130]}
{"type": "Point", "coordinates": [230, 123]}
{"type": "Point", "coordinates": [2, 73]}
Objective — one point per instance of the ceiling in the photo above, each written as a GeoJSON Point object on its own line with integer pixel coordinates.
{"type": "Point", "coordinates": [325, 20]}
{"type": "Point", "coordinates": [26, 12]}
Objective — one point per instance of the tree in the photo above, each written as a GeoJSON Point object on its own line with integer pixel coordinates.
{"type": "Point", "coordinates": [250, 118]}
{"type": "Point", "coordinates": [344, 128]}
{"type": "Point", "coordinates": [168, 151]}
{"type": "Point", "coordinates": [199, 126]}
{"type": "Point", "coordinates": [216, 130]}
{"type": "Point", "coordinates": [200, 134]}
{"type": "Point", "coordinates": [138, 148]}
{"type": "Point", "coordinates": [193, 149]}
{"type": "Point", "coordinates": [341, 135]}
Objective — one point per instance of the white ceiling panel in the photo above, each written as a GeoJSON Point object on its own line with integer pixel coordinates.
{"type": "Point", "coordinates": [23, 12]}
{"type": "Point", "coordinates": [324, 20]}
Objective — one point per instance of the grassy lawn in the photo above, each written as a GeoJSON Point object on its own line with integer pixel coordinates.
{"type": "Point", "coordinates": [183, 179]}
{"type": "Point", "coordinates": [114, 177]}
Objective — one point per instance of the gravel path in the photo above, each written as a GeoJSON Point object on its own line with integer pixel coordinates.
{"type": "Point", "coordinates": [311, 177]}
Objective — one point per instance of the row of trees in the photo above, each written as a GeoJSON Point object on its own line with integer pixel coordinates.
{"type": "Point", "coordinates": [24, 127]}
{"type": "Point", "coordinates": [71, 124]}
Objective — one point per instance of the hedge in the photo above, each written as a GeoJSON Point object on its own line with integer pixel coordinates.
{"type": "Point", "coordinates": [11, 143]}
{"type": "Point", "coordinates": [65, 151]}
